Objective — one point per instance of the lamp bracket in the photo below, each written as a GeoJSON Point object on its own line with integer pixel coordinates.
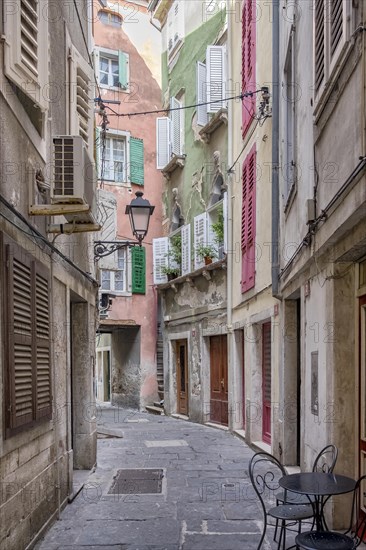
{"type": "Point", "coordinates": [105, 248]}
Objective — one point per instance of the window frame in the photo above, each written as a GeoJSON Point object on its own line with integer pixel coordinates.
{"type": "Point", "coordinates": [113, 55]}
{"type": "Point", "coordinates": [125, 136]}
{"type": "Point", "coordinates": [110, 14]}
{"type": "Point", "coordinates": [127, 279]}
{"type": "Point", "coordinates": [289, 121]}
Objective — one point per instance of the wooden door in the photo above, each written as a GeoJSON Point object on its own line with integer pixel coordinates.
{"type": "Point", "coordinates": [362, 396]}
{"type": "Point", "coordinates": [266, 382]}
{"type": "Point", "coordinates": [219, 385]}
{"type": "Point", "coordinates": [182, 376]}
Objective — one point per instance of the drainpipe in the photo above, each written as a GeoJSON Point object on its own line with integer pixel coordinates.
{"type": "Point", "coordinates": [275, 146]}
{"type": "Point", "coordinates": [232, 374]}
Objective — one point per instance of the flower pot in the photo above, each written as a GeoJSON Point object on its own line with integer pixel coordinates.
{"type": "Point", "coordinates": [208, 260]}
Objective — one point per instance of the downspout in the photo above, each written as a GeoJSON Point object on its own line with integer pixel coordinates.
{"type": "Point", "coordinates": [229, 275]}
{"type": "Point", "coordinates": [275, 146]}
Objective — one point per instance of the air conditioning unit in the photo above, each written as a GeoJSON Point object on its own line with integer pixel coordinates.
{"type": "Point", "coordinates": [74, 178]}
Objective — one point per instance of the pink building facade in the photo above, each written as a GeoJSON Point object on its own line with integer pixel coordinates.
{"type": "Point", "coordinates": [126, 60]}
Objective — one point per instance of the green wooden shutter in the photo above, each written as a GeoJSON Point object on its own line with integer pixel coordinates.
{"type": "Point", "coordinates": [137, 161]}
{"type": "Point", "coordinates": [123, 69]}
{"type": "Point", "coordinates": [138, 270]}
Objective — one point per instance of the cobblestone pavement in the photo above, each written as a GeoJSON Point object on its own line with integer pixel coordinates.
{"type": "Point", "coordinates": [206, 502]}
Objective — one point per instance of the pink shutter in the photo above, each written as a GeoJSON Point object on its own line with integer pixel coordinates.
{"type": "Point", "coordinates": [248, 222]}
{"type": "Point", "coordinates": [248, 62]}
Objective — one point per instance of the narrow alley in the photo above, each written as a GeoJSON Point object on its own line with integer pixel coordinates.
{"type": "Point", "coordinates": [206, 500]}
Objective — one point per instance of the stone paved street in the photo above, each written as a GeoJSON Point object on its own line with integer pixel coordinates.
{"type": "Point", "coordinates": [206, 503]}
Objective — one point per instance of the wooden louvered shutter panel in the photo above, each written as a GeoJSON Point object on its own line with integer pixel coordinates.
{"type": "Point", "coordinates": [19, 403]}
{"type": "Point", "coordinates": [200, 227]}
{"type": "Point", "coordinates": [138, 270]}
{"type": "Point", "coordinates": [248, 222]}
{"type": "Point", "coordinates": [319, 43]}
{"type": "Point", "coordinates": [137, 161]}
{"type": "Point", "coordinates": [266, 381]}
{"type": "Point", "coordinates": [186, 249]}
{"type": "Point", "coordinates": [201, 93]}
{"type": "Point", "coordinates": [215, 63]}
{"type": "Point", "coordinates": [83, 104]}
{"type": "Point", "coordinates": [29, 34]}
{"type": "Point", "coordinates": [248, 62]}
{"type": "Point", "coordinates": [42, 343]}
{"type": "Point", "coordinates": [163, 148]}
{"type": "Point", "coordinates": [160, 259]}
{"type": "Point", "coordinates": [176, 126]}
{"type": "Point", "coordinates": [336, 25]}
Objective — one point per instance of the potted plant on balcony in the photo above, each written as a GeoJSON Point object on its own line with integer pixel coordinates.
{"type": "Point", "coordinates": [207, 252]}
{"type": "Point", "coordinates": [172, 270]}
{"type": "Point", "coordinates": [218, 230]}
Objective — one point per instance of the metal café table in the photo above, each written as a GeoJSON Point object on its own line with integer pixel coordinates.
{"type": "Point", "coordinates": [320, 486]}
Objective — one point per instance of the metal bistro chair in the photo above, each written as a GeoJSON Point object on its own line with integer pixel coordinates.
{"type": "Point", "coordinates": [324, 462]}
{"type": "Point", "coordinates": [265, 472]}
{"type": "Point", "coordinates": [331, 540]}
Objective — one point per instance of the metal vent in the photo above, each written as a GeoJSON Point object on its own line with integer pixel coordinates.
{"type": "Point", "coordinates": [137, 482]}
{"type": "Point", "coordinates": [64, 166]}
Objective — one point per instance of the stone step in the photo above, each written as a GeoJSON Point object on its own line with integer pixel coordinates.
{"type": "Point", "coordinates": [154, 410]}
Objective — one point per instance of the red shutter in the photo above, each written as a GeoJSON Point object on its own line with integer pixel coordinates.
{"type": "Point", "coordinates": [248, 222]}
{"type": "Point", "coordinates": [248, 62]}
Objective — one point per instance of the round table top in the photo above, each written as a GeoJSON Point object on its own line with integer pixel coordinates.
{"type": "Point", "coordinates": [317, 483]}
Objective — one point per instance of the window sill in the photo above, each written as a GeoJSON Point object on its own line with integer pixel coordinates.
{"type": "Point", "coordinates": [116, 183]}
{"type": "Point", "coordinates": [216, 121]}
{"type": "Point", "coordinates": [204, 271]}
{"type": "Point", "coordinates": [177, 161]}
{"type": "Point", "coordinates": [115, 88]}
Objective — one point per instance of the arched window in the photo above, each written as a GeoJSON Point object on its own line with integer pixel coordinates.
{"type": "Point", "coordinates": [109, 18]}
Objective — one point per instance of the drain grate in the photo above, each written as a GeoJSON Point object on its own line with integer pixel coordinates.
{"type": "Point", "coordinates": [136, 482]}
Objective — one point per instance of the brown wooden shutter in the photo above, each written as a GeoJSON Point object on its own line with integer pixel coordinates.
{"type": "Point", "coordinates": [20, 353]}
{"type": "Point", "coordinates": [42, 343]}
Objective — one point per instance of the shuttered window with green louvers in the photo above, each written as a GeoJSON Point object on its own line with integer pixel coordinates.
{"type": "Point", "coordinates": [138, 270]}
{"type": "Point", "coordinates": [27, 340]}
{"type": "Point", "coordinates": [137, 161]}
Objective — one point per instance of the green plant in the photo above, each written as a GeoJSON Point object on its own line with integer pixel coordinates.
{"type": "Point", "coordinates": [206, 251]}
{"type": "Point", "coordinates": [175, 248]}
{"type": "Point", "coordinates": [167, 270]}
{"type": "Point", "coordinates": [218, 228]}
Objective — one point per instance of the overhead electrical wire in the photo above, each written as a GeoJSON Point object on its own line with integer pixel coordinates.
{"type": "Point", "coordinates": [183, 107]}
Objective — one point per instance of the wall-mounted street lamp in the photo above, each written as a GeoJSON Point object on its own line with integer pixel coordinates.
{"type": "Point", "coordinates": [139, 212]}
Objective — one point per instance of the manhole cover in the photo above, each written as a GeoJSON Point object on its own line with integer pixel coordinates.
{"type": "Point", "coordinates": [136, 482]}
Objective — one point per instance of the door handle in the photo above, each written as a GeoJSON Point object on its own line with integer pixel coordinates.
{"type": "Point", "coordinates": [222, 383]}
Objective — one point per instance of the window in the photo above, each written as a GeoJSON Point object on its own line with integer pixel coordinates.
{"type": "Point", "coordinates": [210, 229]}
{"type": "Point", "coordinates": [248, 62]}
{"type": "Point", "coordinates": [332, 21]}
{"type": "Point", "coordinates": [113, 68]}
{"type": "Point", "coordinates": [129, 276]}
{"type": "Point", "coordinates": [108, 18]}
{"type": "Point", "coordinates": [169, 134]}
{"type": "Point", "coordinates": [116, 280]}
{"type": "Point", "coordinates": [210, 83]}
{"type": "Point", "coordinates": [26, 49]}
{"type": "Point", "coordinates": [122, 158]}
{"type": "Point", "coordinates": [108, 71]}
{"type": "Point", "coordinates": [27, 338]}
{"type": "Point", "coordinates": [172, 254]}
{"type": "Point", "coordinates": [248, 226]}
{"type": "Point", "coordinates": [81, 90]}
{"type": "Point", "coordinates": [115, 159]}
{"type": "Point", "coordinates": [175, 26]}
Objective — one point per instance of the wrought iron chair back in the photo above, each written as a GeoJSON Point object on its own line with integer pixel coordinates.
{"type": "Point", "coordinates": [265, 471]}
{"type": "Point", "coordinates": [326, 460]}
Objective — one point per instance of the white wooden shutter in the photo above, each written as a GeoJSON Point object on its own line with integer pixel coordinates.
{"type": "Point", "coordinates": [201, 82]}
{"type": "Point", "coordinates": [96, 59]}
{"type": "Point", "coordinates": [215, 59]}
{"type": "Point", "coordinates": [160, 259]}
{"type": "Point", "coordinates": [176, 126]}
{"type": "Point", "coordinates": [200, 237]}
{"type": "Point", "coordinates": [81, 93]}
{"type": "Point", "coordinates": [186, 249]}
{"type": "Point", "coordinates": [26, 48]}
{"type": "Point", "coordinates": [226, 220]}
{"type": "Point", "coordinates": [162, 142]}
